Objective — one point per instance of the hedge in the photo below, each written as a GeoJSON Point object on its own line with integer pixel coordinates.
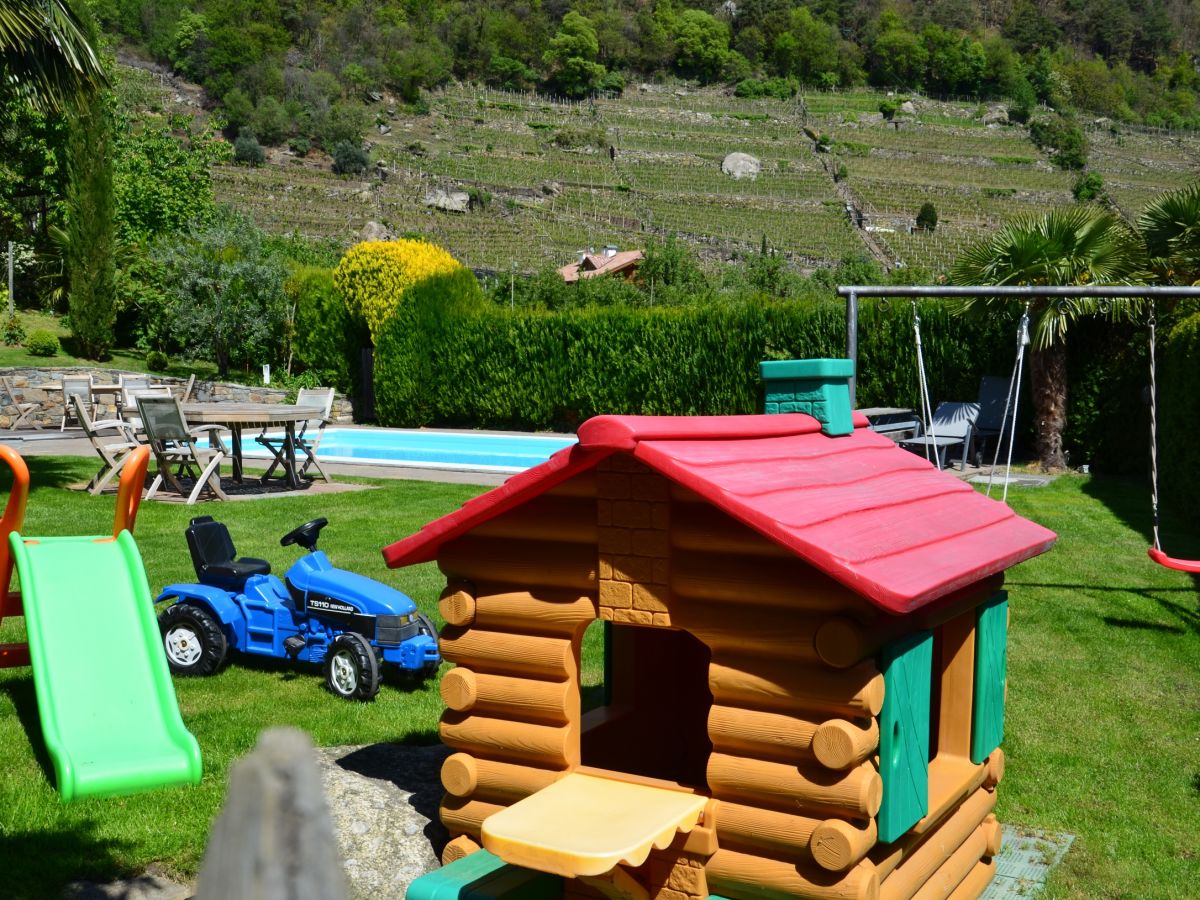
{"type": "Point", "coordinates": [1178, 413]}
{"type": "Point", "coordinates": [495, 368]}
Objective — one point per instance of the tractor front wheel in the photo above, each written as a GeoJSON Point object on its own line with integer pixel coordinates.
{"type": "Point", "coordinates": [193, 639]}
{"type": "Point", "coordinates": [351, 669]}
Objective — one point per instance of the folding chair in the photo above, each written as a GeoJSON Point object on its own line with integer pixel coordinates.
{"type": "Point", "coordinates": [185, 393]}
{"type": "Point", "coordinates": [75, 386]}
{"type": "Point", "coordinates": [951, 426]}
{"type": "Point", "coordinates": [308, 437]}
{"type": "Point", "coordinates": [112, 440]}
{"type": "Point", "coordinates": [129, 405]}
{"type": "Point", "coordinates": [177, 450]}
{"type": "Point", "coordinates": [24, 408]}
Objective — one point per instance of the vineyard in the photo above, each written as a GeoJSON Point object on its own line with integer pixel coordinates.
{"type": "Point", "coordinates": [551, 178]}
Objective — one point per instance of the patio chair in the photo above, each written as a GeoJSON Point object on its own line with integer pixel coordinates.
{"type": "Point", "coordinates": [991, 424]}
{"type": "Point", "coordinates": [308, 437]}
{"type": "Point", "coordinates": [111, 439]}
{"type": "Point", "coordinates": [951, 426]}
{"type": "Point", "coordinates": [185, 393]}
{"type": "Point", "coordinates": [25, 408]}
{"type": "Point", "coordinates": [75, 386]}
{"type": "Point", "coordinates": [177, 449]}
{"type": "Point", "coordinates": [129, 405]}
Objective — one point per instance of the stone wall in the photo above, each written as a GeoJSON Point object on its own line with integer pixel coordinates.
{"type": "Point", "coordinates": [31, 384]}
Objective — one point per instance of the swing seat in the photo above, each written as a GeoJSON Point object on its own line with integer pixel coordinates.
{"type": "Point", "coordinates": [1169, 562]}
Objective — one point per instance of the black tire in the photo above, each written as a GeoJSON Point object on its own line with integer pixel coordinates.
{"type": "Point", "coordinates": [351, 668]}
{"type": "Point", "coordinates": [193, 639]}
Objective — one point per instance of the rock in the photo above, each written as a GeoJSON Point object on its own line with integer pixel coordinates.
{"type": "Point", "coordinates": [385, 129]}
{"type": "Point", "coordinates": [997, 115]}
{"type": "Point", "coordinates": [373, 231]}
{"type": "Point", "coordinates": [365, 196]}
{"type": "Point", "coordinates": [449, 201]}
{"type": "Point", "coordinates": [908, 107]}
{"type": "Point", "coordinates": [741, 165]}
{"type": "Point", "coordinates": [274, 837]}
{"type": "Point", "coordinates": [384, 801]}
{"type": "Point", "coordinates": [551, 188]}
{"type": "Point", "coordinates": [681, 93]}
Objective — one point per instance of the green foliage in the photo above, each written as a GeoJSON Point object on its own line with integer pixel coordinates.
{"type": "Point", "coordinates": [375, 278]}
{"type": "Point", "coordinates": [328, 340]}
{"type": "Point", "coordinates": [88, 239]}
{"type": "Point", "coordinates": [776, 88]}
{"type": "Point", "coordinates": [349, 159]}
{"type": "Point", "coordinates": [1179, 406]}
{"type": "Point", "coordinates": [247, 149]}
{"type": "Point", "coordinates": [226, 293]}
{"type": "Point", "coordinates": [702, 47]}
{"type": "Point", "coordinates": [42, 343]}
{"type": "Point", "coordinates": [1062, 138]}
{"type": "Point", "coordinates": [927, 217]}
{"type": "Point", "coordinates": [13, 332]}
{"type": "Point", "coordinates": [1089, 186]}
{"type": "Point", "coordinates": [157, 361]}
{"type": "Point", "coordinates": [571, 57]}
{"type": "Point", "coordinates": [576, 138]}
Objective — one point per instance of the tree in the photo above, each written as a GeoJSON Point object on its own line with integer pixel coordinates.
{"type": "Point", "coordinates": [45, 53]}
{"type": "Point", "coordinates": [571, 57]}
{"type": "Point", "coordinates": [226, 293]}
{"type": "Point", "coordinates": [1170, 228]}
{"type": "Point", "coordinates": [1067, 246]}
{"type": "Point", "coordinates": [702, 46]}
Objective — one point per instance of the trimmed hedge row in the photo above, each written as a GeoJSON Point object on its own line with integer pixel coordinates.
{"type": "Point", "coordinates": [495, 368]}
{"type": "Point", "coordinates": [1178, 413]}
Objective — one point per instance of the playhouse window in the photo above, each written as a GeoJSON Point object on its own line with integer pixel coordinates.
{"type": "Point", "coordinates": [943, 712]}
{"type": "Point", "coordinates": [655, 720]}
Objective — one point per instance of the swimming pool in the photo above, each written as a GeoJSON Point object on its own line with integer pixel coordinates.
{"type": "Point", "coordinates": [474, 451]}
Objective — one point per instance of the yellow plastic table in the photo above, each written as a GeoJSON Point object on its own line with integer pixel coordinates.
{"type": "Point", "coordinates": [585, 824]}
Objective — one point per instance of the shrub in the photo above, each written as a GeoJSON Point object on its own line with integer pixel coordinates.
{"type": "Point", "coordinates": [349, 159]}
{"type": "Point", "coordinates": [42, 343]}
{"type": "Point", "coordinates": [374, 276]}
{"type": "Point", "coordinates": [328, 341]}
{"type": "Point", "coordinates": [572, 138]}
{"type": "Point", "coordinates": [1062, 139]}
{"type": "Point", "coordinates": [14, 330]}
{"type": "Point", "coordinates": [888, 109]}
{"type": "Point", "coordinates": [247, 149]}
{"type": "Point", "coordinates": [157, 361]}
{"type": "Point", "coordinates": [300, 145]}
{"type": "Point", "coordinates": [777, 88]}
{"type": "Point", "coordinates": [927, 217]}
{"type": "Point", "coordinates": [613, 83]}
{"type": "Point", "coordinates": [841, 173]}
{"type": "Point", "coordinates": [1089, 186]}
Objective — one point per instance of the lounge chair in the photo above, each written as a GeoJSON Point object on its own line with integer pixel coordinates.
{"type": "Point", "coordinates": [951, 426]}
{"type": "Point", "coordinates": [25, 408]}
{"type": "Point", "coordinates": [177, 449]}
{"type": "Point", "coordinates": [75, 386]}
{"type": "Point", "coordinates": [112, 440]}
{"type": "Point", "coordinates": [308, 437]}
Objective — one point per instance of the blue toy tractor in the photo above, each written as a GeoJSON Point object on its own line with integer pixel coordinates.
{"type": "Point", "coordinates": [351, 624]}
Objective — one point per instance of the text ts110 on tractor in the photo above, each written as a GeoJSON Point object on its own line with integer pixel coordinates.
{"type": "Point", "coordinates": [350, 623]}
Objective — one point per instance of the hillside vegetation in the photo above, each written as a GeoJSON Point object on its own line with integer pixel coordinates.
{"type": "Point", "coordinates": [550, 178]}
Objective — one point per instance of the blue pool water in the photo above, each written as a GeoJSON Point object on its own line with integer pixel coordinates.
{"type": "Point", "coordinates": [431, 449]}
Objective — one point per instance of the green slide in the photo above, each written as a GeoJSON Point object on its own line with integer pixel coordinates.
{"type": "Point", "coordinates": [107, 704]}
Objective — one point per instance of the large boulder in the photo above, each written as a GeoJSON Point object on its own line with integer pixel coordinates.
{"type": "Point", "coordinates": [741, 165]}
{"type": "Point", "coordinates": [449, 201]}
{"type": "Point", "coordinates": [373, 231]}
{"type": "Point", "coordinates": [996, 115]}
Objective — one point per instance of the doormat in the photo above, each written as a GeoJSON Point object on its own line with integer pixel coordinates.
{"type": "Point", "coordinates": [1025, 860]}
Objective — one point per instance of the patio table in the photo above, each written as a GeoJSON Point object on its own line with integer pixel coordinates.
{"type": "Point", "coordinates": [236, 415]}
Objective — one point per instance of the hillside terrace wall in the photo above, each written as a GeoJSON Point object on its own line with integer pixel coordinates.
{"type": "Point", "coordinates": [31, 383]}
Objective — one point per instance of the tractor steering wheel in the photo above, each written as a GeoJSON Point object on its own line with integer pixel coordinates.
{"type": "Point", "coordinates": [306, 535]}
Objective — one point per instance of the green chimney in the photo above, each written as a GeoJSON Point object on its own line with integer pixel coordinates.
{"type": "Point", "coordinates": [818, 387]}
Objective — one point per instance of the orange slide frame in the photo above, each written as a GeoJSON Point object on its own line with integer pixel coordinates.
{"type": "Point", "coordinates": [129, 497]}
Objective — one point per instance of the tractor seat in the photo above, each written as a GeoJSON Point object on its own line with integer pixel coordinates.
{"type": "Point", "coordinates": [215, 558]}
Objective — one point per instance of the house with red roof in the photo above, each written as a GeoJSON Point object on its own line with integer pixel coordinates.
{"type": "Point", "coordinates": [804, 636]}
{"type": "Point", "coordinates": [610, 261]}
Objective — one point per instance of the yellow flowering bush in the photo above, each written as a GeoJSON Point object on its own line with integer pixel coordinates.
{"type": "Point", "coordinates": [374, 276]}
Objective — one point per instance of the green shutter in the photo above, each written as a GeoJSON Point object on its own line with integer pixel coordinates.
{"type": "Point", "coordinates": [991, 655]}
{"type": "Point", "coordinates": [904, 733]}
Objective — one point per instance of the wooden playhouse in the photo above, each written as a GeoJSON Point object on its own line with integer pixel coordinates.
{"type": "Point", "coordinates": [804, 680]}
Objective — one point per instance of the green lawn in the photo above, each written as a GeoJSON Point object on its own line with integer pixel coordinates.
{"type": "Point", "coordinates": [1103, 733]}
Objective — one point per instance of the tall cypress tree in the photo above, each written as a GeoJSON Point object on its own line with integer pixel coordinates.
{"type": "Point", "coordinates": [88, 250]}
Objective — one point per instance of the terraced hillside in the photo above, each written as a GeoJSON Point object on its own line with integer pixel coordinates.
{"type": "Point", "coordinates": [650, 163]}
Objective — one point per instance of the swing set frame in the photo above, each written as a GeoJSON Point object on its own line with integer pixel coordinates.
{"type": "Point", "coordinates": [1026, 293]}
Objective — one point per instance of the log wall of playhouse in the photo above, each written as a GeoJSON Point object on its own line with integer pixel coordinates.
{"type": "Point", "coordinates": [846, 749]}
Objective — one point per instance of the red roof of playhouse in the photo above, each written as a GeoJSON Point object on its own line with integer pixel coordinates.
{"type": "Point", "coordinates": [880, 520]}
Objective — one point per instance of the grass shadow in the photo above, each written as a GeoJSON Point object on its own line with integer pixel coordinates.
{"type": "Point", "coordinates": [23, 694]}
{"type": "Point", "coordinates": [46, 471]}
{"type": "Point", "coordinates": [1129, 500]}
{"type": "Point", "coordinates": [1188, 618]}
{"type": "Point", "coordinates": [39, 864]}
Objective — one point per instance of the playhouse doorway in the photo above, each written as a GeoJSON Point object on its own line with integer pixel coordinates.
{"type": "Point", "coordinates": [655, 721]}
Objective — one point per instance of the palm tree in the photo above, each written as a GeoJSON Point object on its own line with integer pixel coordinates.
{"type": "Point", "coordinates": [1076, 245]}
{"type": "Point", "coordinates": [45, 54]}
{"type": "Point", "coordinates": [1170, 226]}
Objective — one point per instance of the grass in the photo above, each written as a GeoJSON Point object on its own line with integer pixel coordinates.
{"type": "Point", "coordinates": [124, 359]}
{"type": "Point", "coordinates": [1102, 738]}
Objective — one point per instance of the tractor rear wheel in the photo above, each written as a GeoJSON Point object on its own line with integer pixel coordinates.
{"type": "Point", "coordinates": [193, 639]}
{"type": "Point", "coordinates": [351, 668]}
